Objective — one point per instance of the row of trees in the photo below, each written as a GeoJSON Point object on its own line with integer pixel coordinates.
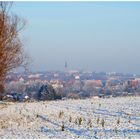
{"type": "Point", "coordinates": [11, 48]}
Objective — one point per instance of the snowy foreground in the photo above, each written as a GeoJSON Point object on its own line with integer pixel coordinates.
{"type": "Point", "coordinates": [91, 118]}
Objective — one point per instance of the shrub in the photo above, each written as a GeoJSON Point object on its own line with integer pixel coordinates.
{"type": "Point", "coordinates": [70, 119]}
{"type": "Point", "coordinates": [89, 123]}
{"type": "Point", "coordinates": [80, 121]}
{"type": "Point", "coordinates": [62, 127]}
{"type": "Point", "coordinates": [118, 121]}
{"type": "Point", "coordinates": [98, 119]}
{"type": "Point", "coordinates": [102, 122]}
{"type": "Point", "coordinates": [61, 113]}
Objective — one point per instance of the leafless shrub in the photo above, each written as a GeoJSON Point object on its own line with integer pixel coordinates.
{"type": "Point", "coordinates": [79, 120]}
{"type": "Point", "coordinates": [70, 119]}
{"type": "Point", "coordinates": [61, 114]}
{"type": "Point", "coordinates": [103, 122]}
{"type": "Point", "coordinates": [98, 119]}
{"type": "Point", "coordinates": [118, 121]}
{"type": "Point", "coordinates": [89, 123]}
{"type": "Point", "coordinates": [62, 127]}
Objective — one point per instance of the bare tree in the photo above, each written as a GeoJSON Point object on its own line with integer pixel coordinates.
{"type": "Point", "coordinates": [11, 48]}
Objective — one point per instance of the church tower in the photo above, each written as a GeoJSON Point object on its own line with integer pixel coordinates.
{"type": "Point", "coordinates": [66, 66]}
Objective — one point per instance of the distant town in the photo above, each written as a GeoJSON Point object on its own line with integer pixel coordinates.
{"type": "Point", "coordinates": [73, 84]}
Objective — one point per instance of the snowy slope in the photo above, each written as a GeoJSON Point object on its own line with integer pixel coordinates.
{"type": "Point", "coordinates": [91, 118]}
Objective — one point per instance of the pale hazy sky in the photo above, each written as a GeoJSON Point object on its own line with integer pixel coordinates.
{"type": "Point", "coordinates": [96, 36]}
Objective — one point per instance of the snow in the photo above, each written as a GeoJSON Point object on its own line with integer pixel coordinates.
{"type": "Point", "coordinates": [26, 97]}
{"type": "Point", "coordinates": [99, 119]}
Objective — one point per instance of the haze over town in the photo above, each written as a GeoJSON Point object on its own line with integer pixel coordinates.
{"type": "Point", "coordinates": [95, 36]}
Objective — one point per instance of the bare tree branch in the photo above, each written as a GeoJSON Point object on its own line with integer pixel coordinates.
{"type": "Point", "coordinates": [11, 48]}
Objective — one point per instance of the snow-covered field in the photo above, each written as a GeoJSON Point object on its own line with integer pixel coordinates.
{"type": "Point", "coordinates": [91, 118]}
